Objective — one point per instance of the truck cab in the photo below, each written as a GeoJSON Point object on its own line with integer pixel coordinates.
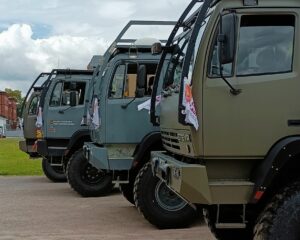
{"type": "Point", "coordinates": [29, 113]}
{"type": "Point", "coordinates": [60, 121]}
{"type": "Point", "coordinates": [230, 132]}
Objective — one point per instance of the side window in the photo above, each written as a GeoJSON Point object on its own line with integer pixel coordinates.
{"type": "Point", "coordinates": [116, 89]}
{"type": "Point", "coordinates": [32, 110]}
{"type": "Point", "coordinates": [56, 95]}
{"type": "Point", "coordinates": [61, 93]}
{"type": "Point", "coordinates": [124, 82]}
{"type": "Point", "coordinates": [78, 87]}
{"type": "Point", "coordinates": [265, 44]}
{"type": "Point", "coordinates": [214, 67]}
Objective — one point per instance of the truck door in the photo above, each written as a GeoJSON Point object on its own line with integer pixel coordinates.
{"type": "Point", "coordinates": [62, 120]}
{"type": "Point", "coordinates": [124, 123]}
{"type": "Point", "coordinates": [30, 114]}
{"type": "Point", "coordinates": [248, 124]}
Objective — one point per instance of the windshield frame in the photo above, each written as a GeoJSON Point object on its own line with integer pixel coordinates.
{"type": "Point", "coordinates": [203, 14]}
{"type": "Point", "coordinates": [181, 23]}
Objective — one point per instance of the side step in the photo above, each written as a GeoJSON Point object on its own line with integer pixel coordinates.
{"type": "Point", "coordinates": [239, 225]}
{"type": "Point", "coordinates": [230, 225]}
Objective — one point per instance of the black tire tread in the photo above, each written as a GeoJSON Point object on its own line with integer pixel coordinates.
{"type": "Point", "coordinates": [51, 174]}
{"type": "Point", "coordinates": [266, 218]}
{"type": "Point", "coordinates": [185, 219]}
{"type": "Point", "coordinates": [78, 188]}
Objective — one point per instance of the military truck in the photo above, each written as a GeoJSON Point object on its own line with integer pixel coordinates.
{"type": "Point", "coordinates": [123, 136]}
{"type": "Point", "coordinates": [31, 133]}
{"type": "Point", "coordinates": [229, 116]}
{"type": "Point", "coordinates": [59, 121]}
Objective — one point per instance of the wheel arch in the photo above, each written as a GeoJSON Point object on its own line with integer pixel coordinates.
{"type": "Point", "coordinates": [280, 166]}
{"type": "Point", "coordinates": [150, 142]}
{"type": "Point", "coordinates": [77, 140]}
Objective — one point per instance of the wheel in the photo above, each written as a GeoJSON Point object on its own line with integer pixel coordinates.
{"type": "Point", "coordinates": [85, 179]}
{"type": "Point", "coordinates": [210, 214]}
{"type": "Point", "coordinates": [53, 173]}
{"type": "Point", "coordinates": [159, 205]}
{"type": "Point", "coordinates": [280, 220]}
{"type": "Point", "coordinates": [127, 191]}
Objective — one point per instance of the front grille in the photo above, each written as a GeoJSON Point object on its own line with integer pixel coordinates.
{"type": "Point", "coordinates": [170, 139]}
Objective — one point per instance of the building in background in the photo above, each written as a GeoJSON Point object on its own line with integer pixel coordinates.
{"type": "Point", "coordinates": [8, 112]}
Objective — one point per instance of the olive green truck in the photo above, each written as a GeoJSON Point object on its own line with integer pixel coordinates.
{"type": "Point", "coordinates": [230, 116]}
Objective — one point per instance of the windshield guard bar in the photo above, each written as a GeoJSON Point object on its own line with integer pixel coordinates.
{"type": "Point", "coordinates": [189, 53]}
{"type": "Point", "coordinates": [33, 87]}
{"type": "Point", "coordinates": [180, 23]}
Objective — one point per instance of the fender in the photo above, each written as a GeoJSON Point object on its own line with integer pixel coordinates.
{"type": "Point", "coordinates": [279, 155]}
{"type": "Point", "coordinates": [151, 141]}
{"type": "Point", "coordinates": [76, 137]}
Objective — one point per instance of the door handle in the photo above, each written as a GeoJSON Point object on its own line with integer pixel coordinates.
{"type": "Point", "coordinates": [294, 123]}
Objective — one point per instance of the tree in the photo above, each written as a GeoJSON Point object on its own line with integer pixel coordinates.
{"type": "Point", "coordinates": [17, 94]}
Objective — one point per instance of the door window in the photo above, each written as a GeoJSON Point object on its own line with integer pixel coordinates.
{"type": "Point", "coordinates": [61, 93]}
{"type": "Point", "coordinates": [118, 82]}
{"type": "Point", "coordinates": [124, 81]}
{"type": "Point", "coordinates": [32, 110]}
{"type": "Point", "coordinates": [265, 44]}
{"type": "Point", "coordinates": [56, 95]}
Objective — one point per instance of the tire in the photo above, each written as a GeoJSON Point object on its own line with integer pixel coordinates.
{"type": "Point", "coordinates": [210, 214]}
{"type": "Point", "coordinates": [53, 173]}
{"type": "Point", "coordinates": [85, 179]}
{"type": "Point", "coordinates": [281, 218]}
{"type": "Point", "coordinates": [127, 191]}
{"type": "Point", "coordinates": [159, 205]}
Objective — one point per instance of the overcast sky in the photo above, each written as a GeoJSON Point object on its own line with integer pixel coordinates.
{"type": "Point", "coordinates": [39, 35]}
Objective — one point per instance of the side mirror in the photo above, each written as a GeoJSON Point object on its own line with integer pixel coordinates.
{"type": "Point", "coordinates": [227, 38]}
{"type": "Point", "coordinates": [73, 98]}
{"type": "Point", "coordinates": [156, 48]}
{"type": "Point", "coordinates": [141, 81]}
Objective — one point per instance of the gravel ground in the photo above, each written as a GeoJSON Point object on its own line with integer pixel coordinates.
{"type": "Point", "coordinates": [32, 208]}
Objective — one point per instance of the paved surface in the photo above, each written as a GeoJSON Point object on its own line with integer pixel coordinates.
{"type": "Point", "coordinates": [32, 208]}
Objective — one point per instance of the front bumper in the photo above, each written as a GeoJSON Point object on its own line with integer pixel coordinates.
{"type": "Point", "coordinates": [44, 150]}
{"type": "Point", "coordinates": [98, 157]}
{"type": "Point", "coordinates": [28, 148]}
{"type": "Point", "coordinates": [190, 181]}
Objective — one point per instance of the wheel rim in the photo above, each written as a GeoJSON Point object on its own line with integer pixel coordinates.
{"type": "Point", "coordinates": [92, 175]}
{"type": "Point", "coordinates": [167, 199]}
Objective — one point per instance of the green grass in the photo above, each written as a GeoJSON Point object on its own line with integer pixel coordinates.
{"type": "Point", "coordinates": [14, 162]}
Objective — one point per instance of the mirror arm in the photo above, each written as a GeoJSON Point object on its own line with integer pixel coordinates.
{"type": "Point", "coordinates": [124, 106]}
{"type": "Point", "coordinates": [222, 39]}
{"type": "Point", "coordinates": [63, 111]}
{"type": "Point", "coordinates": [233, 90]}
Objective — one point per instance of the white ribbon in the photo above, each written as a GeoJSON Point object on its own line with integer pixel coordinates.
{"type": "Point", "coordinates": [39, 119]}
{"type": "Point", "coordinates": [147, 105]}
{"type": "Point", "coordinates": [96, 121]}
